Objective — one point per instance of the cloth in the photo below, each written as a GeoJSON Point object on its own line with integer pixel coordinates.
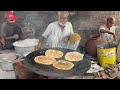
{"type": "Point", "coordinates": [74, 41]}
{"type": "Point", "coordinates": [74, 37]}
{"type": "Point", "coordinates": [109, 37]}
{"type": "Point", "coordinates": [55, 35]}
{"type": "Point", "coordinates": [95, 68]}
{"type": "Point", "coordinates": [11, 16]}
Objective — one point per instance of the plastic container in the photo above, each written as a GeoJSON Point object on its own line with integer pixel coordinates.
{"type": "Point", "coordinates": [106, 56]}
{"type": "Point", "coordinates": [23, 50]}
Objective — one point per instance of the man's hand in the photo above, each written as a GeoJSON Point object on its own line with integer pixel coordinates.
{"type": "Point", "coordinates": [2, 40]}
{"type": "Point", "coordinates": [39, 46]}
{"type": "Point", "coordinates": [114, 36]}
{"type": "Point", "coordinates": [105, 31]}
{"type": "Point", "coordinates": [15, 36]}
{"type": "Point", "coordinates": [65, 39]}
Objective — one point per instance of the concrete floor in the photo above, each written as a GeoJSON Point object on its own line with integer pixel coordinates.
{"type": "Point", "coordinates": [6, 74]}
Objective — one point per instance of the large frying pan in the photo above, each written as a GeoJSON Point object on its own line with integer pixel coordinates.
{"type": "Point", "coordinates": [79, 67]}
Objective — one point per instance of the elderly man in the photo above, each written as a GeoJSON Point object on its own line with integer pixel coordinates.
{"type": "Point", "coordinates": [10, 31]}
{"type": "Point", "coordinates": [108, 30]}
{"type": "Point", "coordinates": [58, 33]}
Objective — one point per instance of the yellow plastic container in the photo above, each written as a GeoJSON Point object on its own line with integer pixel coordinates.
{"type": "Point", "coordinates": [106, 56]}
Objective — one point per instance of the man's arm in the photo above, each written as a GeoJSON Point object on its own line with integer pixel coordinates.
{"type": "Point", "coordinates": [117, 26]}
{"type": "Point", "coordinates": [106, 31]}
{"type": "Point", "coordinates": [40, 44]}
{"type": "Point", "coordinates": [4, 32]}
{"type": "Point", "coordinates": [14, 37]}
{"type": "Point", "coordinates": [9, 38]}
{"type": "Point", "coordinates": [3, 29]}
{"type": "Point", "coordinates": [45, 35]}
{"type": "Point", "coordinates": [66, 39]}
{"type": "Point", "coordinates": [18, 32]}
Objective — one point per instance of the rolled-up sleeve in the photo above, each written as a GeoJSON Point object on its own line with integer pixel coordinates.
{"type": "Point", "coordinates": [101, 27]}
{"type": "Point", "coordinates": [47, 31]}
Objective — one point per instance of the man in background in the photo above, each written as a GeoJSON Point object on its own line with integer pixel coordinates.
{"type": "Point", "coordinates": [108, 30]}
{"type": "Point", "coordinates": [10, 32]}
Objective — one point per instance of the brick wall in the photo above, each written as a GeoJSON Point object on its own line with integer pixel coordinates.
{"type": "Point", "coordinates": [33, 23]}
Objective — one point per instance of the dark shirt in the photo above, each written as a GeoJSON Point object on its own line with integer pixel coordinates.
{"type": "Point", "coordinates": [8, 30]}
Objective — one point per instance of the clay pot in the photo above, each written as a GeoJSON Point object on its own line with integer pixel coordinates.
{"type": "Point", "coordinates": [91, 44]}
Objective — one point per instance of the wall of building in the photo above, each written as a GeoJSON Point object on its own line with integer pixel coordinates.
{"type": "Point", "coordinates": [34, 23]}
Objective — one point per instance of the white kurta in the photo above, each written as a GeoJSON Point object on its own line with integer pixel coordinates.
{"type": "Point", "coordinates": [73, 46]}
{"type": "Point", "coordinates": [109, 37]}
{"type": "Point", "coordinates": [55, 35]}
